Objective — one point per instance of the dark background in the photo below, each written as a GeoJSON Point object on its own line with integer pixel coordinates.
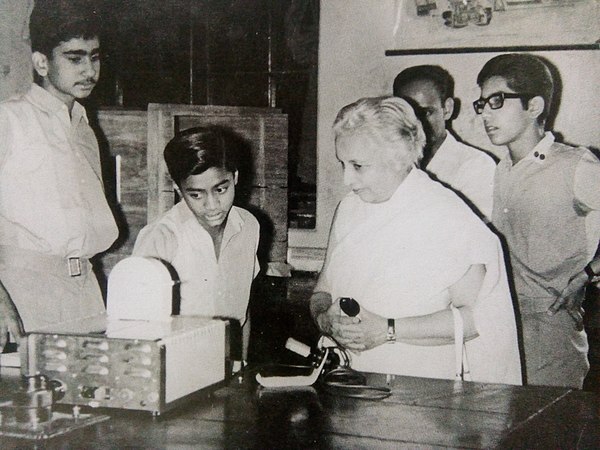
{"type": "Point", "coordinates": [260, 53]}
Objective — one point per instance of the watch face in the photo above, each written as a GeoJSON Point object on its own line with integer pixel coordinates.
{"type": "Point", "coordinates": [391, 331]}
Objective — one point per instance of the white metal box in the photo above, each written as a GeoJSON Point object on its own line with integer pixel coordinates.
{"type": "Point", "coordinates": [131, 364]}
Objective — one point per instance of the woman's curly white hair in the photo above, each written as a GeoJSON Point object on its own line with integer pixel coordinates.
{"type": "Point", "coordinates": [388, 118]}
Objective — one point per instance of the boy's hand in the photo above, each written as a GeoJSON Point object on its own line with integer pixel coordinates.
{"type": "Point", "coordinates": [570, 301]}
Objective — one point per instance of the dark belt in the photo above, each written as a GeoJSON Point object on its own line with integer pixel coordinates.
{"type": "Point", "coordinates": [41, 262]}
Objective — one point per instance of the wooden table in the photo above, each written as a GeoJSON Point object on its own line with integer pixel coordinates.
{"type": "Point", "coordinates": [419, 413]}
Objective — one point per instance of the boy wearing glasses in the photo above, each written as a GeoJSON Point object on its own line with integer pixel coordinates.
{"type": "Point", "coordinates": [547, 209]}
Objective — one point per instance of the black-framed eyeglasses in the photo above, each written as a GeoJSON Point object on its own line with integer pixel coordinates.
{"type": "Point", "coordinates": [496, 100]}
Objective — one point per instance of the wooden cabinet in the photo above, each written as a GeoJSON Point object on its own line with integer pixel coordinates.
{"type": "Point", "coordinates": [143, 185]}
{"type": "Point", "coordinates": [124, 134]}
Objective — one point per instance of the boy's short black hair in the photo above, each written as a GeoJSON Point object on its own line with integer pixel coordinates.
{"type": "Point", "coordinates": [442, 80]}
{"type": "Point", "coordinates": [195, 150]}
{"type": "Point", "coordinates": [56, 21]}
{"type": "Point", "coordinates": [525, 74]}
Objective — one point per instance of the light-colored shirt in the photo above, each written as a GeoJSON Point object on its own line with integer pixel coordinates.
{"type": "Point", "coordinates": [209, 286]}
{"type": "Point", "coordinates": [467, 171]}
{"type": "Point", "coordinates": [52, 198]}
{"type": "Point", "coordinates": [400, 257]}
{"type": "Point", "coordinates": [547, 207]}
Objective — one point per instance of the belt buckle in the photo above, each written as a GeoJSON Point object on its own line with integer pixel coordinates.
{"type": "Point", "coordinates": [74, 267]}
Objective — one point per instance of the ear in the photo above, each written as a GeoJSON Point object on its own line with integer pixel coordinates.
{"type": "Point", "coordinates": [40, 63]}
{"type": "Point", "coordinates": [396, 161]}
{"type": "Point", "coordinates": [235, 177]}
{"type": "Point", "coordinates": [448, 108]}
{"type": "Point", "coordinates": [536, 106]}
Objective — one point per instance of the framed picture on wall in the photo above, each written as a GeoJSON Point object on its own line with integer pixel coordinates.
{"type": "Point", "coordinates": [480, 25]}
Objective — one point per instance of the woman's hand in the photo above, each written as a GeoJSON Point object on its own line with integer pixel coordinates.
{"type": "Point", "coordinates": [364, 332]}
{"type": "Point", "coordinates": [334, 323]}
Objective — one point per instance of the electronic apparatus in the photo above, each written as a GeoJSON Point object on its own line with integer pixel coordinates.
{"type": "Point", "coordinates": [137, 357]}
{"type": "Point", "coordinates": [131, 364]}
{"type": "Point", "coordinates": [140, 288]}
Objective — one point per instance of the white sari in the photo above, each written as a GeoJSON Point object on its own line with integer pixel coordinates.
{"type": "Point", "coordinates": [398, 259]}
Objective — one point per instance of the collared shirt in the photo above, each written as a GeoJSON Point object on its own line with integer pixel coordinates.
{"type": "Point", "coordinates": [467, 171]}
{"type": "Point", "coordinates": [51, 192]}
{"type": "Point", "coordinates": [547, 206]}
{"type": "Point", "coordinates": [209, 287]}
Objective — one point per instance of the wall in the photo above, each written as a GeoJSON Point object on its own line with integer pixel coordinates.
{"type": "Point", "coordinates": [15, 49]}
{"type": "Point", "coordinates": [354, 35]}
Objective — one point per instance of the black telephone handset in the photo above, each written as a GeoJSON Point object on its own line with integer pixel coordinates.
{"type": "Point", "coordinates": [349, 306]}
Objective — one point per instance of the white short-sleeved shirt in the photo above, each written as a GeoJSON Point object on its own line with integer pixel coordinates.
{"type": "Point", "coordinates": [51, 193]}
{"type": "Point", "coordinates": [547, 207]}
{"type": "Point", "coordinates": [209, 287]}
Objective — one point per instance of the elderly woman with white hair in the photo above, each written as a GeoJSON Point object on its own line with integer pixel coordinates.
{"type": "Point", "coordinates": [426, 272]}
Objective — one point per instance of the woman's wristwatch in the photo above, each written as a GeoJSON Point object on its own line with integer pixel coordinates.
{"type": "Point", "coordinates": [390, 338]}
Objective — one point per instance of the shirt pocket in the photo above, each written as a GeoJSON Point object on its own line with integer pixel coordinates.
{"type": "Point", "coordinates": [27, 160]}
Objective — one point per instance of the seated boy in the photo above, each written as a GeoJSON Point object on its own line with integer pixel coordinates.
{"type": "Point", "coordinates": [209, 242]}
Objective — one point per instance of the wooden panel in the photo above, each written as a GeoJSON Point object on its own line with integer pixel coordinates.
{"type": "Point", "coordinates": [273, 203]}
{"type": "Point", "coordinates": [124, 133]}
{"type": "Point", "coordinates": [267, 136]}
{"type": "Point", "coordinates": [275, 153]}
{"type": "Point", "coordinates": [160, 187]}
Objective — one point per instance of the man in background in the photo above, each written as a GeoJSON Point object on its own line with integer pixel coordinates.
{"type": "Point", "coordinates": [466, 170]}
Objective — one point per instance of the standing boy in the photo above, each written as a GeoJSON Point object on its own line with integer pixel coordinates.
{"type": "Point", "coordinates": [466, 170]}
{"type": "Point", "coordinates": [209, 242]}
{"type": "Point", "coordinates": [547, 207]}
{"type": "Point", "coordinates": [53, 211]}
